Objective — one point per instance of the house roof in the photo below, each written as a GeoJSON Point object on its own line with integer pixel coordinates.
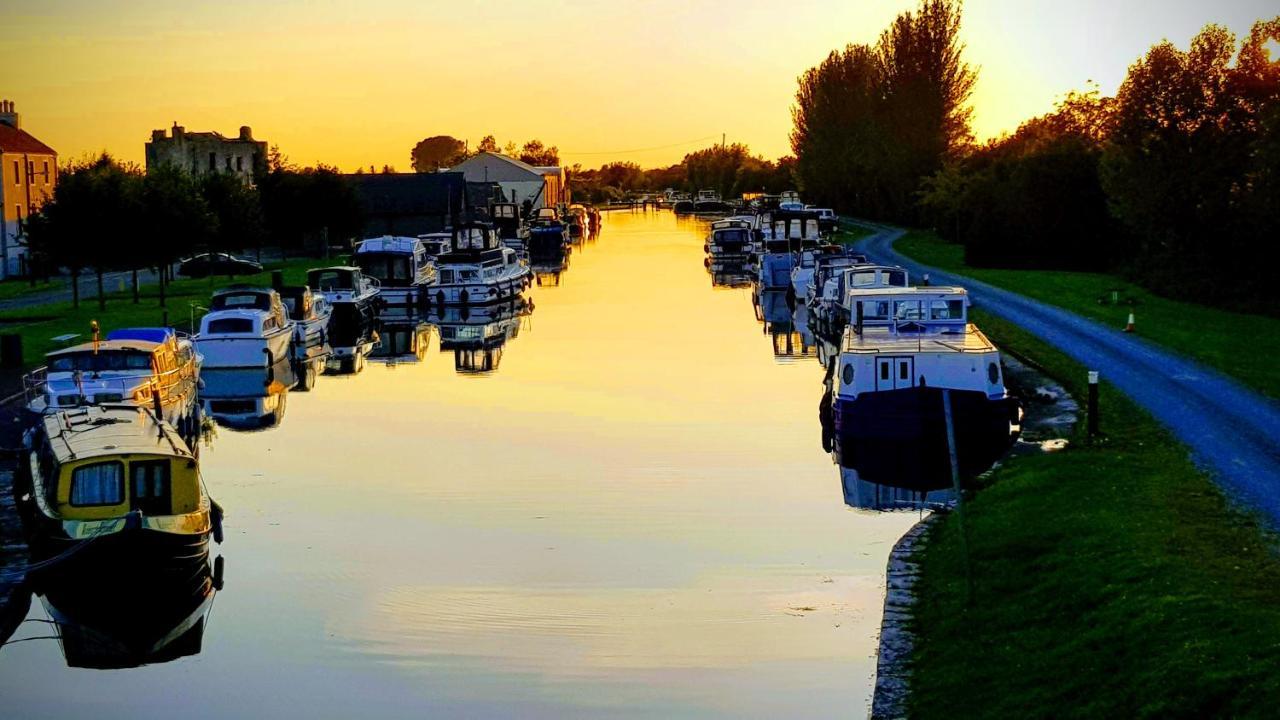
{"type": "Point", "coordinates": [486, 159]}
{"type": "Point", "coordinates": [14, 140]}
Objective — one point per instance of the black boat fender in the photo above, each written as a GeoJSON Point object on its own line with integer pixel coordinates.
{"type": "Point", "coordinates": [215, 519]}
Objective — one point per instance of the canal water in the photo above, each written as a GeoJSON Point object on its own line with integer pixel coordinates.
{"type": "Point", "coordinates": [629, 514]}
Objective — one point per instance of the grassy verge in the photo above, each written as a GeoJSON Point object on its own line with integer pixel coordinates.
{"type": "Point", "coordinates": [1243, 346]}
{"type": "Point", "coordinates": [10, 289]}
{"type": "Point", "coordinates": [1107, 581]}
{"type": "Point", "coordinates": [39, 324]}
{"type": "Point", "coordinates": [848, 233]}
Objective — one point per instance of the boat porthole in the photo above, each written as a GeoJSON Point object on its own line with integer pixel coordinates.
{"type": "Point", "coordinates": [993, 373]}
{"type": "Point", "coordinates": [847, 374]}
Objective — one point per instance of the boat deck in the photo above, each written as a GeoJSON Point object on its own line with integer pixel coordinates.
{"type": "Point", "coordinates": [884, 340]}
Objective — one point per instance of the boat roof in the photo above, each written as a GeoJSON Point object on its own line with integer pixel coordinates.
{"type": "Point", "coordinates": [389, 244]}
{"type": "Point", "coordinates": [875, 340]}
{"type": "Point", "coordinates": [148, 334]}
{"type": "Point", "coordinates": [141, 346]}
{"type": "Point", "coordinates": [931, 290]}
{"type": "Point", "coordinates": [107, 430]}
{"type": "Point", "coordinates": [341, 268]}
{"type": "Point", "coordinates": [236, 289]}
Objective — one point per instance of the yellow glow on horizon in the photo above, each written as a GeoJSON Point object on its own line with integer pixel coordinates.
{"type": "Point", "coordinates": [358, 84]}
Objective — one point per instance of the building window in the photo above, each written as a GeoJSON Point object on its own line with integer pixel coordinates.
{"type": "Point", "coordinates": [239, 163]}
{"type": "Point", "coordinates": [17, 173]}
{"type": "Point", "coordinates": [46, 171]}
{"type": "Point", "coordinates": [228, 163]}
{"type": "Point", "coordinates": [213, 161]}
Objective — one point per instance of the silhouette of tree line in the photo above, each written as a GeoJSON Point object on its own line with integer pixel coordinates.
{"type": "Point", "coordinates": [443, 151]}
{"type": "Point", "coordinates": [1173, 181]}
{"type": "Point", "coordinates": [730, 170]}
{"type": "Point", "coordinates": [107, 215]}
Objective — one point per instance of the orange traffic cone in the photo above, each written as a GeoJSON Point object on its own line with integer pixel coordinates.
{"type": "Point", "coordinates": [1129, 327]}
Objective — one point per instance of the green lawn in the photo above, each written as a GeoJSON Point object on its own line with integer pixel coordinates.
{"type": "Point", "coordinates": [849, 233]}
{"type": "Point", "coordinates": [1107, 581]}
{"type": "Point", "coordinates": [38, 325]}
{"type": "Point", "coordinates": [19, 287]}
{"type": "Point", "coordinates": [1237, 344]}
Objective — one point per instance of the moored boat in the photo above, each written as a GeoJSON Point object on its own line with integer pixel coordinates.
{"type": "Point", "coordinates": [155, 367]}
{"type": "Point", "coordinates": [112, 479]}
{"type": "Point", "coordinates": [245, 327]}
{"type": "Point", "coordinates": [478, 270]}
{"type": "Point", "coordinates": [401, 268]}
{"type": "Point", "coordinates": [904, 394]}
{"type": "Point", "coordinates": [310, 313]}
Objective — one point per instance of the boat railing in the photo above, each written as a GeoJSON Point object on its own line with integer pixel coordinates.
{"type": "Point", "coordinates": [169, 383]}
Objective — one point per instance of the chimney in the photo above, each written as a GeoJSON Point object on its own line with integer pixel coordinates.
{"type": "Point", "coordinates": [246, 133]}
{"type": "Point", "coordinates": [8, 115]}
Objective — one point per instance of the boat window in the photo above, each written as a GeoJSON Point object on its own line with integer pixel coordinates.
{"type": "Point", "coordinates": [104, 361]}
{"type": "Point", "coordinates": [862, 279]}
{"type": "Point", "coordinates": [229, 326]}
{"type": "Point", "coordinates": [884, 370]}
{"type": "Point", "coordinates": [875, 310]}
{"type": "Point", "coordinates": [150, 484]}
{"type": "Point", "coordinates": [731, 236]}
{"type": "Point", "coordinates": [897, 278]}
{"type": "Point", "coordinates": [385, 268]}
{"type": "Point", "coordinates": [946, 309]}
{"type": "Point", "coordinates": [511, 259]}
{"type": "Point", "coordinates": [257, 301]}
{"type": "Point", "coordinates": [98, 484]}
{"type": "Point", "coordinates": [446, 276]}
{"type": "Point", "coordinates": [332, 280]}
{"type": "Point", "coordinates": [907, 310]}
{"type": "Point", "coordinates": [469, 275]}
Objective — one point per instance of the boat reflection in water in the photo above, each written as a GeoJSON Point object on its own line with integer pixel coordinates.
{"type": "Point", "coordinates": [249, 398]}
{"type": "Point", "coordinates": [126, 613]}
{"type": "Point", "coordinates": [402, 342]}
{"type": "Point", "coordinates": [548, 268]}
{"type": "Point", "coordinates": [477, 336]}
{"type": "Point", "coordinates": [786, 324]}
{"type": "Point", "coordinates": [880, 492]}
{"type": "Point", "coordinates": [350, 344]}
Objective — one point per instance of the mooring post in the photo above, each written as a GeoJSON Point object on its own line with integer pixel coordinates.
{"type": "Point", "coordinates": [1093, 403]}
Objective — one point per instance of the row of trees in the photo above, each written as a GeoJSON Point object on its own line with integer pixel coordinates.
{"type": "Point", "coordinates": [106, 215]}
{"type": "Point", "coordinates": [1175, 180]}
{"type": "Point", "coordinates": [731, 170]}
{"type": "Point", "coordinates": [1172, 181]}
{"type": "Point", "coordinates": [871, 122]}
{"type": "Point", "coordinates": [442, 151]}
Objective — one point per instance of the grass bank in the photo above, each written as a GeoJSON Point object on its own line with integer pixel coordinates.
{"type": "Point", "coordinates": [1109, 580]}
{"type": "Point", "coordinates": [39, 324]}
{"type": "Point", "coordinates": [1241, 345]}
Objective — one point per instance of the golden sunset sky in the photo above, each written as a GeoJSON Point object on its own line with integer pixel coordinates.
{"type": "Point", "coordinates": [358, 83]}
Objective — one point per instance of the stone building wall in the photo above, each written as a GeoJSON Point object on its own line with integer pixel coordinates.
{"type": "Point", "coordinates": [202, 153]}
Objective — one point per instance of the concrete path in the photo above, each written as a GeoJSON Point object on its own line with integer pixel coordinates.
{"type": "Point", "coordinates": [1233, 431]}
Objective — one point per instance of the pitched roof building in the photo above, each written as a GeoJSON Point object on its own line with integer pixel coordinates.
{"type": "Point", "coordinates": [28, 175]}
{"type": "Point", "coordinates": [519, 181]}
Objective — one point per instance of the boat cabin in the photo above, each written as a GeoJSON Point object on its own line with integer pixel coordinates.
{"type": "Point", "coordinates": [910, 309]}
{"type": "Point", "coordinates": [506, 219]}
{"type": "Point", "coordinates": [435, 243]}
{"type": "Point", "coordinates": [246, 297]}
{"type": "Point", "coordinates": [880, 359]}
{"type": "Point", "coordinates": [299, 302]}
{"type": "Point", "coordinates": [92, 467]}
{"type": "Point", "coordinates": [342, 283]}
{"type": "Point", "coordinates": [126, 367]}
{"type": "Point", "coordinates": [547, 214]}
{"type": "Point", "coordinates": [394, 261]}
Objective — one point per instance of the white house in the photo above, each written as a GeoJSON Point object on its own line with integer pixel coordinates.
{"type": "Point", "coordinates": [542, 186]}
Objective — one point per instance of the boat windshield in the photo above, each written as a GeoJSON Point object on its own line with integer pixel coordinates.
{"type": "Point", "coordinates": [386, 268]}
{"type": "Point", "coordinates": [103, 361]}
{"type": "Point", "coordinates": [928, 310]}
{"type": "Point", "coordinates": [733, 235]}
{"type": "Point", "coordinates": [331, 280]}
{"type": "Point", "coordinates": [241, 301]}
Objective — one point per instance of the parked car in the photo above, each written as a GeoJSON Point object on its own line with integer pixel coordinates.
{"type": "Point", "coordinates": [217, 263]}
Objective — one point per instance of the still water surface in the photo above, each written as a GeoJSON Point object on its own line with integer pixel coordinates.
{"type": "Point", "coordinates": [631, 515]}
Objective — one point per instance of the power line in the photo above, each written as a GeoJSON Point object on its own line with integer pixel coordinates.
{"type": "Point", "coordinates": [636, 150]}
